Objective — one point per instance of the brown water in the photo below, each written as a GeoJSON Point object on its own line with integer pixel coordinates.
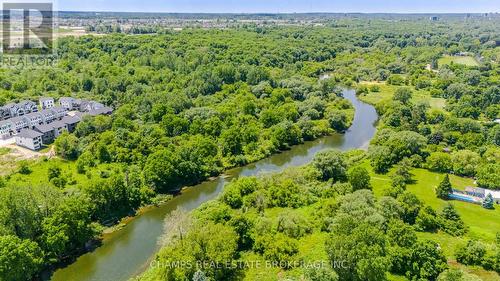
{"type": "Point", "coordinates": [127, 252]}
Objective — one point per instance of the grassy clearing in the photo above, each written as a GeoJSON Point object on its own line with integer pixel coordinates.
{"type": "Point", "coordinates": [483, 224]}
{"type": "Point", "coordinates": [465, 60]}
{"type": "Point", "coordinates": [40, 168]}
{"type": "Point", "coordinates": [387, 92]}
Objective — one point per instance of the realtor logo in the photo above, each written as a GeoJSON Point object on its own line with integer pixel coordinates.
{"type": "Point", "coordinates": [28, 28]}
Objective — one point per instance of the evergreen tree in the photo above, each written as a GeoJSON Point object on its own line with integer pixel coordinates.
{"type": "Point", "coordinates": [444, 189]}
{"type": "Point", "coordinates": [488, 202]}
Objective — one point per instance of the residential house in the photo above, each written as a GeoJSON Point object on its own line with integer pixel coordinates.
{"type": "Point", "coordinates": [6, 128]}
{"type": "Point", "coordinates": [29, 139]}
{"type": "Point", "coordinates": [33, 119]}
{"type": "Point", "coordinates": [71, 122]}
{"type": "Point", "coordinates": [48, 115]}
{"type": "Point", "coordinates": [12, 110]}
{"type": "Point", "coordinates": [90, 105]}
{"type": "Point", "coordinates": [51, 131]}
{"type": "Point", "coordinates": [476, 192]}
{"type": "Point", "coordinates": [58, 127]}
{"type": "Point", "coordinates": [59, 112]}
{"type": "Point", "coordinates": [70, 103]}
{"type": "Point", "coordinates": [28, 106]}
{"type": "Point", "coordinates": [4, 113]}
{"type": "Point", "coordinates": [19, 123]}
{"type": "Point", "coordinates": [46, 103]}
{"type": "Point", "coordinates": [47, 131]}
{"type": "Point", "coordinates": [101, 111]}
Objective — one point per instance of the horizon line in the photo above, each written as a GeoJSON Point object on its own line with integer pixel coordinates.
{"type": "Point", "coordinates": [286, 13]}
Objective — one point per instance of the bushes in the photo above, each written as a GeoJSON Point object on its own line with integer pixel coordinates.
{"type": "Point", "coordinates": [471, 254]}
{"type": "Point", "coordinates": [331, 165]}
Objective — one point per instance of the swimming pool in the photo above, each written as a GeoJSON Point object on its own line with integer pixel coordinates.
{"type": "Point", "coordinates": [465, 198]}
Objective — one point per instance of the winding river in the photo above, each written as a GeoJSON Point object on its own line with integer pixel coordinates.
{"type": "Point", "coordinates": [127, 252]}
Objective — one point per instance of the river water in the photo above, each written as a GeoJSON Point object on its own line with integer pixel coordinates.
{"type": "Point", "coordinates": [128, 252]}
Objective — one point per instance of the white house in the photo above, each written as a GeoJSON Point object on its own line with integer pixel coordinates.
{"type": "Point", "coordinates": [29, 139]}
{"type": "Point", "coordinates": [6, 128]}
{"type": "Point", "coordinates": [70, 103]}
{"type": "Point", "coordinates": [28, 106]}
{"type": "Point", "coordinates": [19, 123]}
{"type": "Point", "coordinates": [46, 103]}
{"type": "Point", "coordinates": [13, 110]}
{"type": "Point", "coordinates": [90, 106]}
{"type": "Point", "coordinates": [59, 112]}
{"type": "Point", "coordinates": [48, 115]}
{"type": "Point", "coordinates": [33, 119]}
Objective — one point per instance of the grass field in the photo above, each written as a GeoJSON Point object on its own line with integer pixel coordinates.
{"type": "Point", "coordinates": [39, 173]}
{"type": "Point", "coordinates": [483, 224]}
{"type": "Point", "coordinates": [465, 60]}
{"type": "Point", "coordinates": [387, 92]}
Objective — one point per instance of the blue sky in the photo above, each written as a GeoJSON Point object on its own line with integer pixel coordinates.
{"type": "Point", "coordinates": [283, 6]}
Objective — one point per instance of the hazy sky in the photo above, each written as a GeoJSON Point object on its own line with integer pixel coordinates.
{"type": "Point", "coordinates": [283, 6]}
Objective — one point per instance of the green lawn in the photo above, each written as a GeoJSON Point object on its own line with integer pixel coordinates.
{"type": "Point", "coordinates": [40, 168]}
{"type": "Point", "coordinates": [387, 92]}
{"type": "Point", "coordinates": [483, 224]}
{"type": "Point", "coordinates": [465, 60]}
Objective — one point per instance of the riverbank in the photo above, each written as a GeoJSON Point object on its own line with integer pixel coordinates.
{"type": "Point", "coordinates": [127, 252]}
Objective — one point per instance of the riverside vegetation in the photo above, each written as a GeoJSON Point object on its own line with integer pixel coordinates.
{"type": "Point", "coordinates": [190, 104]}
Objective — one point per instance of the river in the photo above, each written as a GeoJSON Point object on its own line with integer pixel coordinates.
{"type": "Point", "coordinates": [127, 252]}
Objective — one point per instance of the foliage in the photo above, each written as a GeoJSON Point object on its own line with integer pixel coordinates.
{"type": "Point", "coordinates": [444, 189]}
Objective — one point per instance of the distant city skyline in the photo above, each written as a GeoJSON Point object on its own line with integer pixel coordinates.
{"type": "Point", "coordinates": [279, 6]}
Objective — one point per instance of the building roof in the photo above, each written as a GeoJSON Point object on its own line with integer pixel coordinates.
{"type": "Point", "coordinates": [32, 114]}
{"type": "Point", "coordinates": [42, 99]}
{"type": "Point", "coordinates": [17, 119]}
{"type": "Point", "coordinates": [104, 110]}
{"type": "Point", "coordinates": [47, 111]}
{"type": "Point", "coordinates": [58, 109]}
{"type": "Point", "coordinates": [57, 124]}
{"type": "Point", "coordinates": [45, 128]}
{"type": "Point", "coordinates": [4, 122]}
{"type": "Point", "coordinates": [70, 120]}
{"type": "Point", "coordinates": [30, 134]}
{"type": "Point", "coordinates": [10, 105]}
{"type": "Point", "coordinates": [25, 102]}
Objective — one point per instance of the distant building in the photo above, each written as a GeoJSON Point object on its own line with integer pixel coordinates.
{"type": "Point", "coordinates": [28, 106]}
{"type": "Point", "coordinates": [497, 121]}
{"type": "Point", "coordinates": [71, 122]}
{"type": "Point", "coordinates": [48, 115]}
{"type": "Point", "coordinates": [47, 131]}
{"type": "Point", "coordinates": [70, 103]}
{"type": "Point", "coordinates": [33, 119]}
{"type": "Point", "coordinates": [101, 111]}
{"type": "Point", "coordinates": [59, 112]}
{"type": "Point", "coordinates": [90, 106]}
{"type": "Point", "coordinates": [6, 128]}
{"type": "Point", "coordinates": [29, 139]}
{"type": "Point", "coordinates": [46, 103]}
{"type": "Point", "coordinates": [482, 193]}
{"type": "Point", "coordinates": [19, 123]}
{"type": "Point", "coordinates": [433, 18]}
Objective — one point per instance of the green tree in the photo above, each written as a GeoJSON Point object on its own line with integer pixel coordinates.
{"type": "Point", "coordinates": [20, 259]}
{"type": "Point", "coordinates": [444, 189]}
{"type": "Point", "coordinates": [359, 178]}
{"type": "Point", "coordinates": [67, 146]}
{"type": "Point", "coordinates": [488, 202]}
{"type": "Point", "coordinates": [331, 164]}
{"type": "Point", "coordinates": [403, 95]}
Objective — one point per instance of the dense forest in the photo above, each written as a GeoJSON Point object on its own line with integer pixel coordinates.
{"type": "Point", "coordinates": [190, 104]}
